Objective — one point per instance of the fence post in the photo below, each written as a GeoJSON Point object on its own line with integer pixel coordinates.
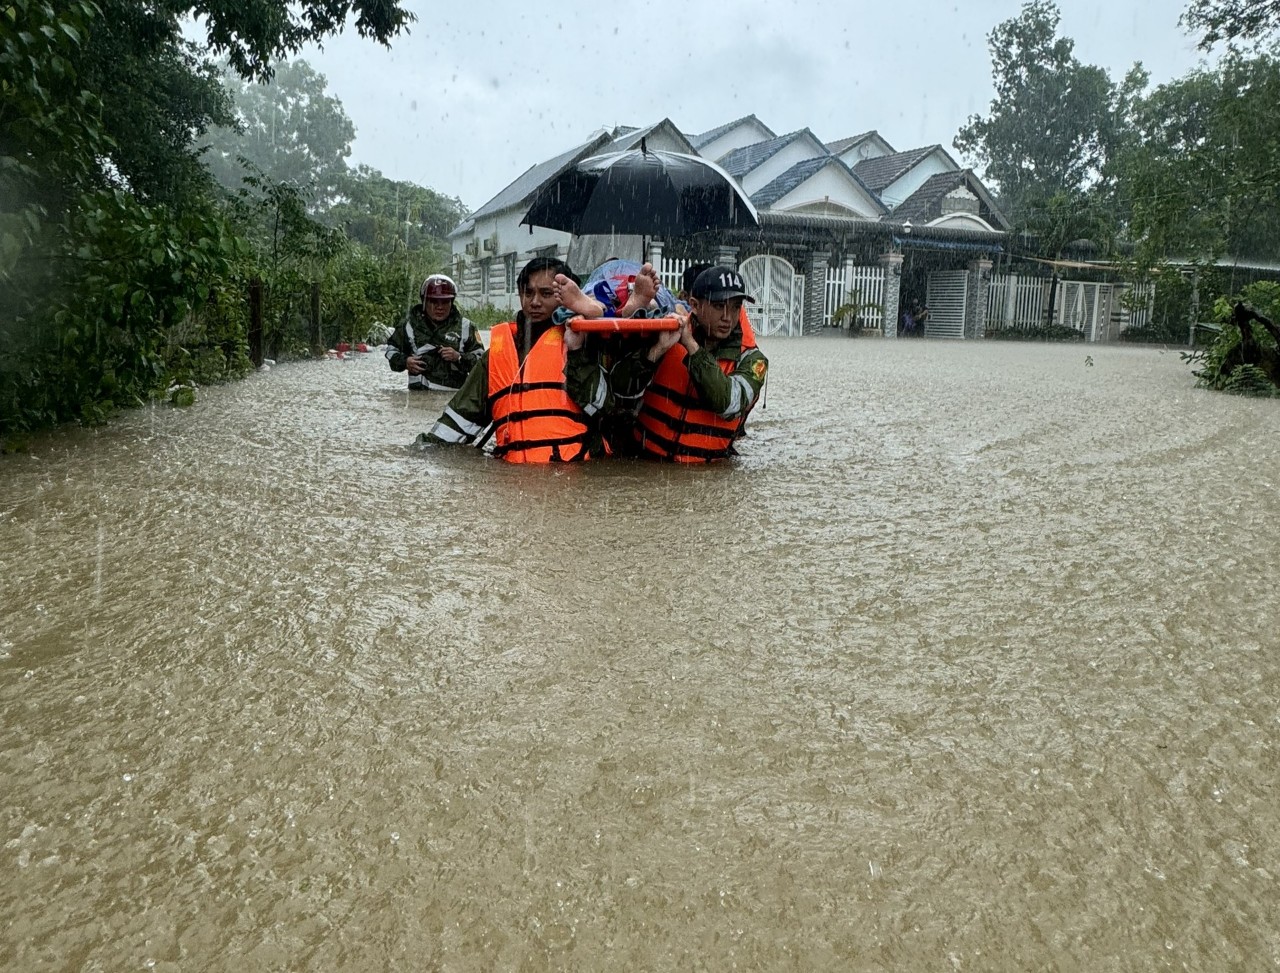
{"type": "Point", "coordinates": [255, 322]}
{"type": "Point", "coordinates": [892, 264]}
{"type": "Point", "coordinates": [317, 345]}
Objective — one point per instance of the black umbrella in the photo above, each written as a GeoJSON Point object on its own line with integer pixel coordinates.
{"type": "Point", "coordinates": [642, 192]}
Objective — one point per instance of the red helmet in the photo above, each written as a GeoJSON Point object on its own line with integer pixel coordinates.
{"type": "Point", "coordinates": [438, 286]}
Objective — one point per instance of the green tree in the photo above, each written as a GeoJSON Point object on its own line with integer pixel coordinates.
{"type": "Point", "coordinates": [386, 214]}
{"type": "Point", "coordinates": [158, 94]}
{"type": "Point", "coordinates": [1051, 126]}
{"type": "Point", "coordinates": [1231, 20]}
{"type": "Point", "coordinates": [288, 128]}
{"type": "Point", "coordinates": [255, 34]}
{"type": "Point", "coordinates": [51, 133]}
{"type": "Point", "coordinates": [1203, 175]}
{"type": "Point", "coordinates": [115, 264]}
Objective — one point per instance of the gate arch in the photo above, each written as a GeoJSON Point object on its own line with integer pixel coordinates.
{"type": "Point", "coordinates": [779, 294]}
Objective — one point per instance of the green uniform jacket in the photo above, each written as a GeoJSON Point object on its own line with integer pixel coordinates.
{"type": "Point", "coordinates": [467, 415]}
{"type": "Point", "coordinates": [730, 396]}
{"type": "Point", "coordinates": [419, 335]}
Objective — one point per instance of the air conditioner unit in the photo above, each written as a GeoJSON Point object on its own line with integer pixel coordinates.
{"type": "Point", "coordinates": [491, 244]}
{"type": "Point", "coordinates": [473, 248]}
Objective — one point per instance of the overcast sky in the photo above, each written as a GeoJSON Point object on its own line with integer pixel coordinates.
{"type": "Point", "coordinates": [479, 91]}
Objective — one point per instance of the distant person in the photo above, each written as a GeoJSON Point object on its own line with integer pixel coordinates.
{"type": "Point", "coordinates": [686, 282]}
{"type": "Point", "coordinates": [914, 319]}
{"type": "Point", "coordinates": [435, 344]}
{"type": "Point", "coordinates": [531, 395]}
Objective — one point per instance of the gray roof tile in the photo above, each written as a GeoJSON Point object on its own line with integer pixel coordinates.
{"type": "Point", "coordinates": [883, 172]}
{"type": "Point", "coordinates": [706, 138]}
{"type": "Point", "coordinates": [925, 204]}
{"type": "Point", "coordinates": [798, 173]}
{"type": "Point", "coordinates": [741, 161]}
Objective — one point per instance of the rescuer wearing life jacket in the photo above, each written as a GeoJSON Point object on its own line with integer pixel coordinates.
{"type": "Point", "coordinates": [534, 397]}
{"type": "Point", "coordinates": [701, 381]}
{"type": "Point", "coordinates": [435, 344]}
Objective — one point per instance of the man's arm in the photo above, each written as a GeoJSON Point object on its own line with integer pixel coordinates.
{"type": "Point", "coordinates": [472, 348]}
{"type": "Point", "coordinates": [467, 413]}
{"type": "Point", "coordinates": [398, 350]}
{"type": "Point", "coordinates": [585, 379]}
{"type": "Point", "coordinates": [729, 396]}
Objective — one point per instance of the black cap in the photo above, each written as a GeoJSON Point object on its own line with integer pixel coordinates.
{"type": "Point", "coordinates": [719, 284]}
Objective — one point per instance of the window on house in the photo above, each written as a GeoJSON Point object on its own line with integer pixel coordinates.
{"type": "Point", "coordinates": [485, 267]}
{"type": "Point", "coordinates": [509, 266]}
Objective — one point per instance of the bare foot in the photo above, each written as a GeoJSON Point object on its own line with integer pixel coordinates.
{"type": "Point", "coordinates": [570, 295]}
{"type": "Point", "coordinates": [643, 290]}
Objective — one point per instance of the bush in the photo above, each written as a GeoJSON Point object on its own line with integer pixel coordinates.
{"type": "Point", "coordinates": [1239, 379]}
{"type": "Point", "coordinates": [1051, 332]}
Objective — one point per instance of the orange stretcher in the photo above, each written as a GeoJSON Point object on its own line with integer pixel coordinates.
{"type": "Point", "coordinates": [624, 325]}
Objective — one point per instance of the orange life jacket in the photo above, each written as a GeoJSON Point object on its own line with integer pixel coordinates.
{"type": "Point", "coordinates": [673, 422]}
{"type": "Point", "coordinates": [535, 420]}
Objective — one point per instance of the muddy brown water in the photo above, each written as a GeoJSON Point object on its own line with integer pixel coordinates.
{"type": "Point", "coordinates": [969, 662]}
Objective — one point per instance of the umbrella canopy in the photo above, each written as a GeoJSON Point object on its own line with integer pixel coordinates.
{"type": "Point", "coordinates": [642, 192]}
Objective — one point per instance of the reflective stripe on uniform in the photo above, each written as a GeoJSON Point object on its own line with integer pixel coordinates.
{"type": "Point", "coordinates": [742, 394]}
{"type": "Point", "coordinates": [447, 434]}
{"type": "Point", "coordinates": [467, 427]}
{"type": "Point", "coordinates": [597, 402]}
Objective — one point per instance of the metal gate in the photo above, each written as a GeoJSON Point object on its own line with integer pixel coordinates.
{"type": "Point", "coordinates": [1085, 307]}
{"type": "Point", "coordinates": [948, 293]}
{"type": "Point", "coordinates": [779, 294]}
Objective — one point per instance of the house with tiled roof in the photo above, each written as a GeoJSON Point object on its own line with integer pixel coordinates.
{"type": "Point", "coordinates": [718, 142]}
{"type": "Point", "coordinates": [954, 199]}
{"type": "Point", "coordinates": [823, 186]}
{"type": "Point", "coordinates": [828, 228]}
{"type": "Point", "coordinates": [896, 176]}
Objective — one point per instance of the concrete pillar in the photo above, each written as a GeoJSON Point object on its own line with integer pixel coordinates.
{"type": "Point", "coordinates": [815, 292]}
{"type": "Point", "coordinates": [655, 255]}
{"type": "Point", "coordinates": [892, 265]}
{"type": "Point", "coordinates": [726, 257]}
{"type": "Point", "coordinates": [975, 313]}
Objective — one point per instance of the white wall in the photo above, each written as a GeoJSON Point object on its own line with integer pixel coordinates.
{"type": "Point", "coordinates": [801, 150]}
{"type": "Point", "coordinates": [746, 134]}
{"type": "Point", "coordinates": [833, 185]}
{"type": "Point", "coordinates": [871, 148]}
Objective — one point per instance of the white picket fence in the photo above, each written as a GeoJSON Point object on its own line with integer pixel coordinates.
{"type": "Point", "coordinates": [861, 283]}
{"type": "Point", "coordinates": [671, 271]}
{"type": "Point", "coordinates": [1099, 311]}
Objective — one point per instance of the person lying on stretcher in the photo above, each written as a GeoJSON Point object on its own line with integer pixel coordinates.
{"type": "Point", "coordinates": [616, 289]}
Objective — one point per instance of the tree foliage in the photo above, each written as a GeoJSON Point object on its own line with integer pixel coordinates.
{"type": "Point", "coordinates": [1203, 172]}
{"type": "Point", "coordinates": [1050, 129]}
{"type": "Point", "coordinates": [1231, 20]}
{"type": "Point", "coordinates": [386, 214]}
{"type": "Point", "coordinates": [254, 34]}
{"type": "Point", "coordinates": [289, 129]}
{"type": "Point", "coordinates": [1224, 368]}
{"type": "Point", "coordinates": [121, 269]}
{"type": "Point", "coordinates": [158, 93]}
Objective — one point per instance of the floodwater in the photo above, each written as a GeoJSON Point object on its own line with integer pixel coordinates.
{"type": "Point", "coordinates": [969, 662]}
